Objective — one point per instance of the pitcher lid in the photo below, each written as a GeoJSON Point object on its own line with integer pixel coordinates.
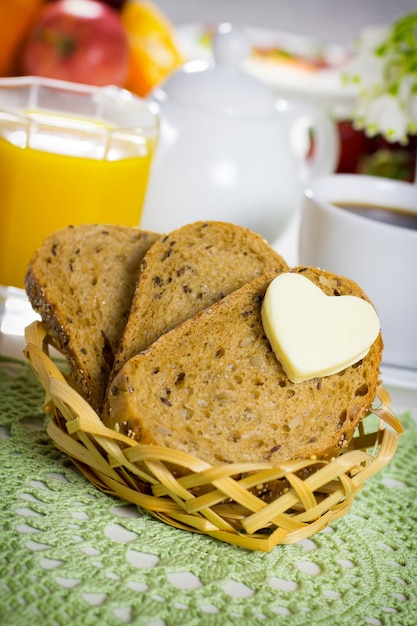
{"type": "Point", "coordinates": [221, 85]}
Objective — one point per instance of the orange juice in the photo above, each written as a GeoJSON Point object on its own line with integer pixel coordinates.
{"type": "Point", "coordinates": [42, 190]}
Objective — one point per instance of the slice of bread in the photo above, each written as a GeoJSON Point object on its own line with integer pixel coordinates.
{"type": "Point", "coordinates": [81, 281]}
{"type": "Point", "coordinates": [213, 387]}
{"type": "Point", "coordinates": [188, 270]}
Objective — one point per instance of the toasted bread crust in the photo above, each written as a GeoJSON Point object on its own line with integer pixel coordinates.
{"type": "Point", "coordinates": [81, 281]}
{"type": "Point", "coordinates": [213, 387]}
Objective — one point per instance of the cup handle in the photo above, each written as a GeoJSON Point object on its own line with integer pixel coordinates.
{"type": "Point", "coordinates": [313, 137]}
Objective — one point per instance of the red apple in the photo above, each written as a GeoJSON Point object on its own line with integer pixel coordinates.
{"type": "Point", "coordinates": [81, 41]}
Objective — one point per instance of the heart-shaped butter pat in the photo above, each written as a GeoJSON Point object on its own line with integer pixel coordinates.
{"type": "Point", "coordinates": [313, 334]}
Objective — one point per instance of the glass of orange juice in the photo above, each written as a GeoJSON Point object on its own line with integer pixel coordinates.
{"type": "Point", "coordinates": [69, 154]}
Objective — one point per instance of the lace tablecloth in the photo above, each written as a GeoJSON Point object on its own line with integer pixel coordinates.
{"type": "Point", "coordinates": [70, 555]}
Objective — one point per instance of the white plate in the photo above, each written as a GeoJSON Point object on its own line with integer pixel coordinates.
{"type": "Point", "coordinates": [399, 377]}
{"type": "Point", "coordinates": [302, 67]}
{"type": "Point", "coordinates": [15, 314]}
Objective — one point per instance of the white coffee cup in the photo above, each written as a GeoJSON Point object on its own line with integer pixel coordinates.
{"type": "Point", "coordinates": [380, 257]}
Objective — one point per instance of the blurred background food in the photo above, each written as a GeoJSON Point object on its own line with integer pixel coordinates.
{"type": "Point", "coordinates": [154, 50]}
{"type": "Point", "coordinates": [79, 41]}
{"type": "Point", "coordinates": [128, 43]}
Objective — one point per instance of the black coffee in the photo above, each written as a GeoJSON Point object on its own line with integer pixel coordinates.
{"type": "Point", "coordinates": [388, 215]}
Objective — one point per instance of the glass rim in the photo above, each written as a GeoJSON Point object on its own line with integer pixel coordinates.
{"type": "Point", "coordinates": [100, 96]}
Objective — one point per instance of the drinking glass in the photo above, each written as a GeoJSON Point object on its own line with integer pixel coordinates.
{"type": "Point", "coordinates": [69, 154]}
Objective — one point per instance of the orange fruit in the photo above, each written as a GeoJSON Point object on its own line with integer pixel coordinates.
{"type": "Point", "coordinates": [154, 53]}
{"type": "Point", "coordinates": [16, 19]}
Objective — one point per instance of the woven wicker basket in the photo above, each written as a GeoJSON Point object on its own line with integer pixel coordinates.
{"type": "Point", "coordinates": [220, 501]}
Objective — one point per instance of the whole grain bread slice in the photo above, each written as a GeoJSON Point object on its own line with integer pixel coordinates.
{"type": "Point", "coordinates": [81, 281]}
{"type": "Point", "coordinates": [188, 270]}
{"type": "Point", "coordinates": [212, 387]}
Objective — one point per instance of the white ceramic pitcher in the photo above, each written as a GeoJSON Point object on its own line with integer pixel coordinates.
{"type": "Point", "coordinates": [228, 149]}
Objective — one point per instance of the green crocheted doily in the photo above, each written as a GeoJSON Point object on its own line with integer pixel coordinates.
{"type": "Point", "coordinates": [70, 555]}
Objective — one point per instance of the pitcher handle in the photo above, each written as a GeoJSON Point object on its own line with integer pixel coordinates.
{"type": "Point", "coordinates": [317, 156]}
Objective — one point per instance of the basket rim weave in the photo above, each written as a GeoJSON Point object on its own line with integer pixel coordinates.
{"type": "Point", "coordinates": [222, 501]}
